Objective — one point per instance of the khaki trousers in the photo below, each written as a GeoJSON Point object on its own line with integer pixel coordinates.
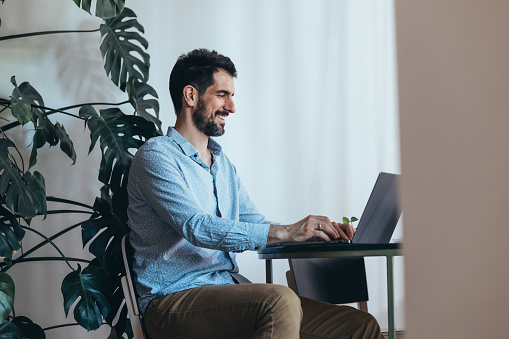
{"type": "Point", "coordinates": [253, 311]}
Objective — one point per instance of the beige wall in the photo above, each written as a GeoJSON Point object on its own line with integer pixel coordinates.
{"type": "Point", "coordinates": [453, 64]}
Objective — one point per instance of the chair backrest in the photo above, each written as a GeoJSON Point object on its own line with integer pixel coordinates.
{"type": "Point", "coordinates": [332, 280]}
{"type": "Point", "coordinates": [129, 291]}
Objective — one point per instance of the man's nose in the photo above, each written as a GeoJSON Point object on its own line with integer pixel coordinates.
{"type": "Point", "coordinates": [230, 106]}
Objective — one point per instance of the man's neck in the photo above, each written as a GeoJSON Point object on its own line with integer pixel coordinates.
{"type": "Point", "coordinates": [198, 139]}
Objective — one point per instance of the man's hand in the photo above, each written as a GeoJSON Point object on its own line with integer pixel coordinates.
{"type": "Point", "coordinates": [312, 226]}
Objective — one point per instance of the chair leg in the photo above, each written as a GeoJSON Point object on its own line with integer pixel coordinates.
{"type": "Point", "coordinates": [363, 306]}
{"type": "Point", "coordinates": [290, 280]}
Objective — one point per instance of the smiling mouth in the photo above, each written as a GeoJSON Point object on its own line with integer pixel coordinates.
{"type": "Point", "coordinates": [222, 116]}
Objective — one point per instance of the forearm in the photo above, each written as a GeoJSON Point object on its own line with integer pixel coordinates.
{"type": "Point", "coordinates": [277, 234]}
{"type": "Point", "coordinates": [213, 232]}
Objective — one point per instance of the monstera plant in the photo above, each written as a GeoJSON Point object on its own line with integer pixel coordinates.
{"type": "Point", "coordinates": [93, 286]}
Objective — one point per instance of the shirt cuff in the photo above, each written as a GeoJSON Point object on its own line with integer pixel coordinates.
{"type": "Point", "coordinates": [258, 234]}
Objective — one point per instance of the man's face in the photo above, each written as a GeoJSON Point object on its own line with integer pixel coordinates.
{"type": "Point", "coordinates": [215, 105]}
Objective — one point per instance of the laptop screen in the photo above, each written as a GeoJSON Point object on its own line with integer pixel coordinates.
{"type": "Point", "coordinates": [381, 213]}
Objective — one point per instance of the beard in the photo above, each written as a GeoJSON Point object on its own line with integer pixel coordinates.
{"type": "Point", "coordinates": [206, 123]}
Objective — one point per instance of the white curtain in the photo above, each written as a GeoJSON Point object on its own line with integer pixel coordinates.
{"type": "Point", "coordinates": [316, 98]}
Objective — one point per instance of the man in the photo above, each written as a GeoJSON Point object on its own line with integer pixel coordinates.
{"type": "Point", "coordinates": [189, 214]}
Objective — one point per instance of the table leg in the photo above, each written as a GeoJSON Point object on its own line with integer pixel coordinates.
{"type": "Point", "coordinates": [390, 296]}
{"type": "Point", "coordinates": [268, 271]}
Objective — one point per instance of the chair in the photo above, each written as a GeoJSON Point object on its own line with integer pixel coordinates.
{"type": "Point", "coordinates": [129, 291]}
{"type": "Point", "coordinates": [332, 280]}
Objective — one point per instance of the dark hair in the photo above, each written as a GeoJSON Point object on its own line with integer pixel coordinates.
{"type": "Point", "coordinates": [197, 69]}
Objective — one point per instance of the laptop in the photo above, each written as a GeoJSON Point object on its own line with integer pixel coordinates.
{"type": "Point", "coordinates": [379, 218]}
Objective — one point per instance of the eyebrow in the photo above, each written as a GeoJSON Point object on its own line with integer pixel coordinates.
{"type": "Point", "coordinates": [223, 91]}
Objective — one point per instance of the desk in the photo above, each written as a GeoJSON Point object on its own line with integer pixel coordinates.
{"type": "Point", "coordinates": [337, 251]}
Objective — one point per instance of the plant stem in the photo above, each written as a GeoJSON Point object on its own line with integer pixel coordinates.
{"type": "Point", "coordinates": [60, 212]}
{"type": "Point", "coordinates": [58, 326]}
{"type": "Point", "coordinates": [17, 261]}
{"type": "Point", "coordinates": [96, 104]}
{"type": "Point", "coordinates": [53, 237]}
{"type": "Point", "coordinates": [51, 242]}
{"type": "Point", "coordinates": [66, 201]}
{"type": "Point", "coordinates": [3, 109]}
{"type": "Point", "coordinates": [6, 104]}
{"type": "Point", "coordinates": [25, 35]}
{"type": "Point", "coordinates": [68, 211]}
{"type": "Point", "coordinates": [64, 325]}
{"type": "Point", "coordinates": [19, 154]}
{"type": "Point", "coordinates": [36, 247]}
{"type": "Point", "coordinates": [61, 110]}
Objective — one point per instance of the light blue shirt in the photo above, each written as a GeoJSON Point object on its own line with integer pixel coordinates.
{"type": "Point", "coordinates": [186, 219]}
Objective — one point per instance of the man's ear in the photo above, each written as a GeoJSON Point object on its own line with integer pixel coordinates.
{"type": "Point", "coordinates": [190, 96]}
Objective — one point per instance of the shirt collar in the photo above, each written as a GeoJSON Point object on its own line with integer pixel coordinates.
{"type": "Point", "coordinates": [186, 146]}
{"type": "Point", "coordinates": [214, 147]}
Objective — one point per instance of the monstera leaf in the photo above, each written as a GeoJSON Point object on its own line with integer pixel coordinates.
{"type": "Point", "coordinates": [118, 310]}
{"type": "Point", "coordinates": [22, 194]}
{"type": "Point", "coordinates": [21, 110]}
{"type": "Point", "coordinates": [66, 144]}
{"type": "Point", "coordinates": [104, 9]}
{"type": "Point", "coordinates": [37, 186]}
{"type": "Point", "coordinates": [123, 324]}
{"type": "Point", "coordinates": [26, 105]}
{"type": "Point", "coordinates": [29, 328]}
{"type": "Point", "coordinates": [11, 233]}
{"type": "Point", "coordinates": [89, 287]}
{"type": "Point", "coordinates": [117, 133]}
{"type": "Point", "coordinates": [10, 331]}
{"type": "Point", "coordinates": [138, 93]}
{"type": "Point", "coordinates": [6, 295]}
{"type": "Point", "coordinates": [121, 51]}
{"type": "Point", "coordinates": [22, 99]}
{"type": "Point", "coordinates": [117, 332]}
{"type": "Point", "coordinates": [106, 228]}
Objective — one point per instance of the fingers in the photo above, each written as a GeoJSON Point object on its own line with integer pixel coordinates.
{"type": "Point", "coordinates": [340, 231]}
{"type": "Point", "coordinates": [326, 227]}
{"type": "Point", "coordinates": [346, 231]}
{"type": "Point", "coordinates": [326, 232]}
{"type": "Point", "coordinates": [318, 227]}
{"type": "Point", "coordinates": [350, 231]}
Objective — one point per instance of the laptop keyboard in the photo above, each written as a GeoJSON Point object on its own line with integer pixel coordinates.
{"type": "Point", "coordinates": [315, 242]}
